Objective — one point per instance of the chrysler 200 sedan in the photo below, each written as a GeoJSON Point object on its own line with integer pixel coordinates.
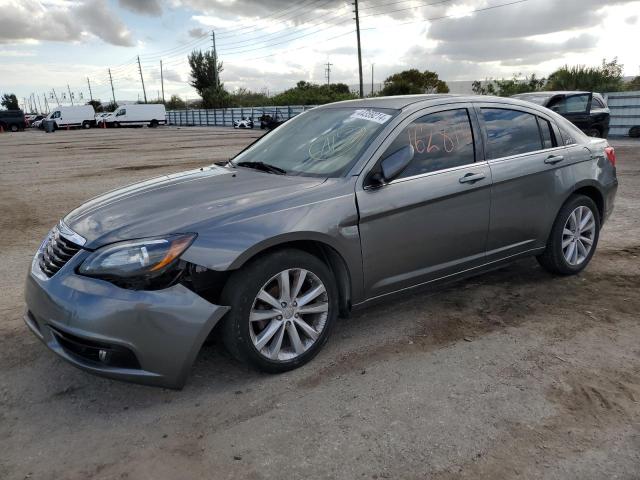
{"type": "Point", "coordinates": [341, 207]}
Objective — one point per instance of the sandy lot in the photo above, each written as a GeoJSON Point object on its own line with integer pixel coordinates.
{"type": "Point", "coordinates": [514, 374]}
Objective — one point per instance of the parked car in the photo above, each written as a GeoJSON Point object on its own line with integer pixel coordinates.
{"type": "Point", "coordinates": [269, 122]}
{"type": "Point", "coordinates": [342, 207]}
{"type": "Point", "coordinates": [12, 120]}
{"type": "Point", "coordinates": [80, 116]}
{"type": "Point", "coordinates": [138, 114]}
{"type": "Point", "coordinates": [244, 123]}
{"type": "Point", "coordinates": [32, 120]}
{"type": "Point", "coordinates": [586, 110]}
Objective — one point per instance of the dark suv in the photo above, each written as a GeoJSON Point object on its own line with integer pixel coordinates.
{"type": "Point", "coordinates": [12, 120]}
{"type": "Point", "coordinates": [586, 110]}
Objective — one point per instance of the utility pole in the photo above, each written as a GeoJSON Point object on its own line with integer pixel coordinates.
{"type": "Point", "coordinates": [70, 94]}
{"type": "Point", "coordinates": [90, 94]}
{"type": "Point", "coordinates": [113, 93]}
{"type": "Point", "coordinates": [357, 19]}
{"type": "Point", "coordinates": [162, 80]}
{"type": "Point", "coordinates": [328, 72]}
{"type": "Point", "coordinates": [372, 78]}
{"type": "Point", "coordinates": [215, 58]}
{"type": "Point", "coordinates": [142, 80]}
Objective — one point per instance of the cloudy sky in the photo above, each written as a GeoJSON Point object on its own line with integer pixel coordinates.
{"type": "Point", "coordinates": [271, 44]}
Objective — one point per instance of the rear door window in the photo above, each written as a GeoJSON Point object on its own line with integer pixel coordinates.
{"type": "Point", "coordinates": [510, 132]}
{"type": "Point", "coordinates": [440, 140]}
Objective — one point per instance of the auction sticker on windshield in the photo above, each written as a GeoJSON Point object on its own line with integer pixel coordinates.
{"type": "Point", "coordinates": [371, 115]}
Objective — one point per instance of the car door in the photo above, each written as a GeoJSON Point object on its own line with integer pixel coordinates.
{"type": "Point", "coordinates": [432, 220]}
{"type": "Point", "coordinates": [574, 107]}
{"type": "Point", "coordinates": [528, 163]}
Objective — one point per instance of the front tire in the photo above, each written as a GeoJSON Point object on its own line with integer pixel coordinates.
{"type": "Point", "coordinates": [574, 237]}
{"type": "Point", "coordinates": [283, 307]}
{"type": "Point", "coordinates": [86, 125]}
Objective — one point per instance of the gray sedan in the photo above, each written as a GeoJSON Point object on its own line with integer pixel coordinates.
{"type": "Point", "coordinates": [343, 206]}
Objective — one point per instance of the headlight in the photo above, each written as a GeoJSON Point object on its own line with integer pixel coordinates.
{"type": "Point", "coordinates": [142, 259]}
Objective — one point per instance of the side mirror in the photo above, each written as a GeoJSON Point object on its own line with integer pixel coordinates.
{"type": "Point", "coordinates": [394, 164]}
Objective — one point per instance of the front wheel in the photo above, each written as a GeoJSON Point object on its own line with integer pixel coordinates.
{"type": "Point", "coordinates": [283, 306]}
{"type": "Point", "coordinates": [86, 125]}
{"type": "Point", "coordinates": [573, 238]}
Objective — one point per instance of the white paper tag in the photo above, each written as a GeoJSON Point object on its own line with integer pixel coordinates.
{"type": "Point", "coordinates": [371, 115]}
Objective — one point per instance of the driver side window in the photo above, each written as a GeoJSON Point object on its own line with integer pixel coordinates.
{"type": "Point", "coordinates": [440, 140]}
{"type": "Point", "coordinates": [121, 112]}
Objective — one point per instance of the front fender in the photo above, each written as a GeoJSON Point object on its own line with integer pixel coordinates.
{"type": "Point", "coordinates": [330, 220]}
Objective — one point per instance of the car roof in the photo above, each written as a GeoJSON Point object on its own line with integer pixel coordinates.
{"type": "Point", "coordinates": [401, 102]}
{"type": "Point", "coordinates": [553, 92]}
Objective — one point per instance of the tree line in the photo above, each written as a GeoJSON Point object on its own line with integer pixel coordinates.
{"type": "Point", "coordinates": [607, 77]}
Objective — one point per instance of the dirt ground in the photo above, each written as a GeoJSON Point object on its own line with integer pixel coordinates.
{"type": "Point", "coordinates": [513, 374]}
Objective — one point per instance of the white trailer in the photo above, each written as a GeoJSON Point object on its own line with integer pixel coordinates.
{"type": "Point", "coordinates": [138, 114]}
{"type": "Point", "coordinates": [80, 116]}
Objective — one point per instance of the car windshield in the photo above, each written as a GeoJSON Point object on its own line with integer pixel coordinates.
{"type": "Point", "coordinates": [321, 142]}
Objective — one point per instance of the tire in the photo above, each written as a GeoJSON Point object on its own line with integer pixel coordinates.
{"type": "Point", "coordinates": [634, 132]}
{"type": "Point", "coordinates": [86, 125]}
{"type": "Point", "coordinates": [14, 127]}
{"type": "Point", "coordinates": [116, 125]}
{"type": "Point", "coordinates": [153, 124]}
{"type": "Point", "coordinates": [594, 132]}
{"type": "Point", "coordinates": [277, 352]}
{"type": "Point", "coordinates": [555, 258]}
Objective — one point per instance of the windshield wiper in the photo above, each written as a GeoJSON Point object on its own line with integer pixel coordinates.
{"type": "Point", "coordinates": [265, 167]}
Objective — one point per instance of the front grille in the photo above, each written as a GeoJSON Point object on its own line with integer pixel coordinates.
{"type": "Point", "coordinates": [56, 252]}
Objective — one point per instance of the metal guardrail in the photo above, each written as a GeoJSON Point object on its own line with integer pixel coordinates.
{"type": "Point", "coordinates": [224, 117]}
{"type": "Point", "coordinates": [625, 112]}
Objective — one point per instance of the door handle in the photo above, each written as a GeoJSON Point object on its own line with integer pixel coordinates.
{"type": "Point", "coordinates": [471, 177]}
{"type": "Point", "coordinates": [553, 159]}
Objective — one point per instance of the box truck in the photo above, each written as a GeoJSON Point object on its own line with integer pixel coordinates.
{"type": "Point", "coordinates": [138, 114]}
{"type": "Point", "coordinates": [80, 116]}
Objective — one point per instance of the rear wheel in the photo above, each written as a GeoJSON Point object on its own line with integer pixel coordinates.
{"type": "Point", "coordinates": [153, 124]}
{"type": "Point", "coordinates": [283, 306]}
{"type": "Point", "coordinates": [573, 238]}
{"type": "Point", "coordinates": [14, 128]}
{"type": "Point", "coordinates": [594, 132]}
{"type": "Point", "coordinates": [86, 125]}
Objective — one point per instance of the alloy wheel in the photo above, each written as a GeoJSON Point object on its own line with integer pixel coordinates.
{"type": "Point", "coordinates": [288, 314]}
{"type": "Point", "coordinates": [578, 235]}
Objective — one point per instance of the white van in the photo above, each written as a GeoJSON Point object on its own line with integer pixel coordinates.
{"type": "Point", "coordinates": [80, 116]}
{"type": "Point", "coordinates": [138, 114]}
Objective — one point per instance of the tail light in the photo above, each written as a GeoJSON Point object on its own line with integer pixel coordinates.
{"type": "Point", "coordinates": [611, 155]}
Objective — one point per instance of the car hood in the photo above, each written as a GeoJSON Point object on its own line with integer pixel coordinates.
{"type": "Point", "coordinates": [181, 203]}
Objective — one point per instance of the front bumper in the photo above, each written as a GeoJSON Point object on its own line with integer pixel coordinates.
{"type": "Point", "coordinates": [148, 337]}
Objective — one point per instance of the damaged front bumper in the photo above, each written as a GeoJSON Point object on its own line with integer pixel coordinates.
{"type": "Point", "coordinates": [148, 337]}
